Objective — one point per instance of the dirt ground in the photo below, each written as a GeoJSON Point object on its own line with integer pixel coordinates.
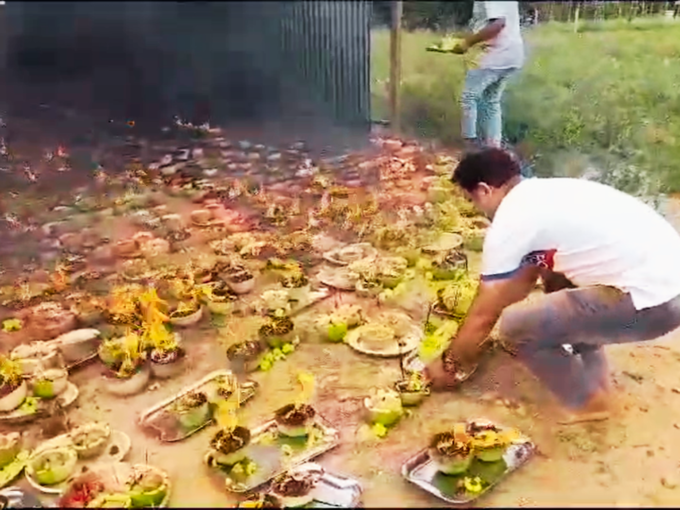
{"type": "Point", "coordinates": [585, 465]}
{"type": "Point", "coordinates": [629, 461]}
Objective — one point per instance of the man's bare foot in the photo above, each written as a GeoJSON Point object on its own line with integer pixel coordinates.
{"type": "Point", "coordinates": [596, 409]}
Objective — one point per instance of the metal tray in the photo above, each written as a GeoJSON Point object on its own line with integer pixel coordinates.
{"type": "Point", "coordinates": [81, 362]}
{"type": "Point", "coordinates": [335, 491]}
{"type": "Point", "coordinates": [116, 450]}
{"type": "Point", "coordinates": [145, 420]}
{"type": "Point", "coordinates": [421, 471]}
{"type": "Point", "coordinates": [332, 491]}
{"type": "Point", "coordinates": [265, 450]}
{"type": "Point", "coordinates": [314, 297]}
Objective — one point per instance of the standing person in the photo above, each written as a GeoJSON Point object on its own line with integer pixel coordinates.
{"type": "Point", "coordinates": [620, 255]}
{"type": "Point", "coordinates": [496, 27]}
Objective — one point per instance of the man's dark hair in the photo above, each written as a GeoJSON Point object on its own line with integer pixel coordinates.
{"type": "Point", "coordinates": [492, 166]}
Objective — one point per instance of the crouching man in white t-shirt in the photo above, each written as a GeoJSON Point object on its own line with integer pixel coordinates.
{"type": "Point", "coordinates": [621, 258]}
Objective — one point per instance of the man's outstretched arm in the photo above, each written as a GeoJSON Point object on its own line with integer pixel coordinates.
{"type": "Point", "coordinates": [493, 296]}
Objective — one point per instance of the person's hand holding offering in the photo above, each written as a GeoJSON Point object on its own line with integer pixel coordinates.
{"type": "Point", "coordinates": [460, 48]}
{"type": "Point", "coordinates": [445, 373]}
{"type": "Point", "coordinates": [440, 379]}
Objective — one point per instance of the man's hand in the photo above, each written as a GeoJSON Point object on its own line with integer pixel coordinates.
{"type": "Point", "coordinates": [440, 379]}
{"type": "Point", "coordinates": [460, 48]}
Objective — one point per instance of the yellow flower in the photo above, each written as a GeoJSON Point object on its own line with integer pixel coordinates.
{"type": "Point", "coordinates": [473, 485]}
{"type": "Point", "coordinates": [306, 381]}
{"type": "Point", "coordinates": [10, 325]}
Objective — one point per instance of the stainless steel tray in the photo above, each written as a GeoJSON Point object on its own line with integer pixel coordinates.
{"type": "Point", "coordinates": [315, 296]}
{"type": "Point", "coordinates": [421, 471]}
{"type": "Point", "coordinates": [275, 454]}
{"type": "Point", "coordinates": [332, 490]}
{"type": "Point", "coordinates": [80, 363]}
{"type": "Point", "coordinates": [335, 491]}
{"type": "Point", "coordinates": [156, 412]}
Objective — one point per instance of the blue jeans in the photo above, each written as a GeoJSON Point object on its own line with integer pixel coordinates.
{"type": "Point", "coordinates": [481, 101]}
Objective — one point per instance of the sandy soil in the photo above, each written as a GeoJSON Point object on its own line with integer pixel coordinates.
{"type": "Point", "coordinates": [629, 461]}
{"type": "Point", "coordinates": [585, 465]}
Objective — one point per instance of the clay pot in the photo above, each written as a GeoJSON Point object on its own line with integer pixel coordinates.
{"type": "Point", "coordinates": [187, 320]}
{"type": "Point", "coordinates": [173, 221]}
{"type": "Point", "coordinates": [201, 217]}
{"type": "Point", "coordinates": [243, 287]}
{"type": "Point", "coordinates": [162, 369]}
{"type": "Point", "coordinates": [246, 362]}
{"type": "Point", "coordinates": [297, 430]}
{"type": "Point", "coordinates": [155, 247]}
{"type": "Point", "coordinates": [142, 237]}
{"type": "Point", "coordinates": [129, 386]}
{"type": "Point", "coordinates": [126, 248]}
{"type": "Point", "coordinates": [14, 399]}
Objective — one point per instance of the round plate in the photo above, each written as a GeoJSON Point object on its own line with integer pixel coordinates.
{"type": "Point", "coordinates": [446, 242]}
{"type": "Point", "coordinates": [411, 340]}
{"type": "Point", "coordinates": [119, 440]}
{"type": "Point", "coordinates": [114, 475]}
{"type": "Point", "coordinates": [331, 256]}
{"type": "Point", "coordinates": [64, 400]}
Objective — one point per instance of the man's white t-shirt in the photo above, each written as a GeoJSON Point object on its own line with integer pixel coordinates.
{"type": "Point", "coordinates": [594, 234]}
{"type": "Point", "coordinates": [506, 50]}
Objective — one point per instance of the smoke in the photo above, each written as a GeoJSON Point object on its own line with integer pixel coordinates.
{"type": "Point", "coordinates": [150, 61]}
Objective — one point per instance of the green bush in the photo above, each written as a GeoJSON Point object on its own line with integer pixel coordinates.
{"type": "Point", "coordinates": [603, 96]}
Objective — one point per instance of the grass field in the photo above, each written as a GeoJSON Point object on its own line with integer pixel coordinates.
{"type": "Point", "coordinates": [605, 97]}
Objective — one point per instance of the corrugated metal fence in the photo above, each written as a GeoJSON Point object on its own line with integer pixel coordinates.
{"type": "Point", "coordinates": [328, 45]}
{"type": "Point", "coordinates": [198, 51]}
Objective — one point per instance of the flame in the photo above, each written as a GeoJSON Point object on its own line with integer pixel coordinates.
{"type": "Point", "coordinates": [132, 344]}
{"type": "Point", "coordinates": [151, 306]}
{"type": "Point", "coordinates": [306, 382]}
{"type": "Point", "coordinates": [225, 414]}
{"type": "Point", "coordinates": [60, 278]}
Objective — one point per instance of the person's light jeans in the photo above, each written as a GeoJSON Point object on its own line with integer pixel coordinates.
{"type": "Point", "coordinates": [481, 105]}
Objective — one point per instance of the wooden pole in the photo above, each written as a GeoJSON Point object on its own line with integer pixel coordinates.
{"type": "Point", "coordinates": [395, 66]}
